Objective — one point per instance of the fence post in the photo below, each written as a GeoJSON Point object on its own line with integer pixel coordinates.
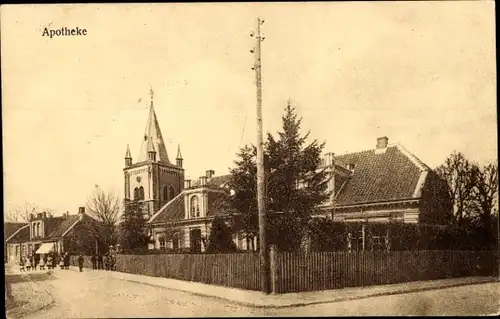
{"type": "Point", "coordinates": [274, 268]}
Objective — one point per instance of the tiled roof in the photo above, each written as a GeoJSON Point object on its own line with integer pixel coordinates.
{"type": "Point", "coordinates": [172, 211]}
{"type": "Point", "coordinates": [10, 228]}
{"type": "Point", "coordinates": [63, 226]}
{"type": "Point", "coordinates": [214, 182]}
{"type": "Point", "coordinates": [215, 200]}
{"type": "Point", "coordinates": [391, 175]}
{"type": "Point", "coordinates": [21, 236]}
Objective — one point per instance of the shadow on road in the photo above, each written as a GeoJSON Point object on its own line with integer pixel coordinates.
{"type": "Point", "coordinates": [17, 278]}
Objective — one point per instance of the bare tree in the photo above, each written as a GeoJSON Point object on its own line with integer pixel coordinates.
{"type": "Point", "coordinates": [21, 214]}
{"type": "Point", "coordinates": [485, 193]}
{"type": "Point", "coordinates": [461, 176]}
{"type": "Point", "coordinates": [104, 207]}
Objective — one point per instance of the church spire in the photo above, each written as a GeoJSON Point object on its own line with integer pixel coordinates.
{"type": "Point", "coordinates": [178, 158]}
{"type": "Point", "coordinates": [128, 157]}
{"type": "Point", "coordinates": [152, 135]}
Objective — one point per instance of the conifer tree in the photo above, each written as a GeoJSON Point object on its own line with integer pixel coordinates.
{"type": "Point", "coordinates": [220, 239]}
{"type": "Point", "coordinates": [295, 184]}
{"type": "Point", "coordinates": [133, 227]}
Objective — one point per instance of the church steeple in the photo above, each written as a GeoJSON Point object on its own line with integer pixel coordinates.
{"type": "Point", "coordinates": [178, 158]}
{"type": "Point", "coordinates": [128, 157]}
{"type": "Point", "coordinates": [153, 135]}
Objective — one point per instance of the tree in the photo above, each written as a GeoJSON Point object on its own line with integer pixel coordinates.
{"type": "Point", "coordinates": [104, 207]}
{"type": "Point", "coordinates": [461, 176]}
{"type": "Point", "coordinates": [21, 214]}
{"type": "Point", "coordinates": [294, 183]}
{"type": "Point", "coordinates": [220, 239]}
{"type": "Point", "coordinates": [133, 226]}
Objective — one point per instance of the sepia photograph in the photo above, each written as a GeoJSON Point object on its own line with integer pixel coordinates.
{"type": "Point", "coordinates": [250, 159]}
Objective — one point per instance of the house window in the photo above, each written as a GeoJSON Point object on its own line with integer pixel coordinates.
{"type": "Point", "coordinates": [38, 229]}
{"type": "Point", "coordinates": [162, 242]}
{"type": "Point", "coordinates": [195, 207]}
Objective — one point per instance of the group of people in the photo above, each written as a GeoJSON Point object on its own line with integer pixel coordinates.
{"type": "Point", "coordinates": [50, 261]}
{"type": "Point", "coordinates": [103, 261]}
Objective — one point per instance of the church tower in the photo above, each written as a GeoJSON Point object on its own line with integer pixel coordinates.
{"type": "Point", "coordinates": [153, 180]}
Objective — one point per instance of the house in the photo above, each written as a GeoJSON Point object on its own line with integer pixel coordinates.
{"type": "Point", "coordinates": [384, 184]}
{"type": "Point", "coordinates": [45, 234]}
{"type": "Point", "coordinates": [185, 221]}
{"type": "Point", "coordinates": [11, 230]}
{"type": "Point", "coordinates": [387, 183]}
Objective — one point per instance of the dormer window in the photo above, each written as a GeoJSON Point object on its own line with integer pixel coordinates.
{"type": "Point", "coordinates": [195, 207]}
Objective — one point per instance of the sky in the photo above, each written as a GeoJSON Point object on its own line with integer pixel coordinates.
{"type": "Point", "coordinates": [421, 73]}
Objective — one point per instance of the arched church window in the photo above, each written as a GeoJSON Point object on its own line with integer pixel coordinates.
{"type": "Point", "coordinates": [195, 207]}
{"type": "Point", "coordinates": [38, 229]}
{"type": "Point", "coordinates": [141, 192]}
{"type": "Point", "coordinates": [136, 193]}
{"type": "Point", "coordinates": [165, 193]}
{"type": "Point", "coordinates": [171, 193]}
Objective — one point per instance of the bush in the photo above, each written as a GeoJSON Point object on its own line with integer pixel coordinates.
{"type": "Point", "coordinates": [327, 235]}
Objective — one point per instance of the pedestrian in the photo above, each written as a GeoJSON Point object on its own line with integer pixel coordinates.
{"type": "Point", "coordinates": [93, 259]}
{"type": "Point", "coordinates": [21, 265]}
{"type": "Point", "coordinates": [49, 262]}
{"type": "Point", "coordinates": [42, 263]}
{"type": "Point", "coordinates": [80, 262]}
{"type": "Point", "coordinates": [66, 261]}
{"type": "Point", "coordinates": [106, 261]}
{"type": "Point", "coordinates": [28, 264]}
{"type": "Point", "coordinates": [33, 262]}
{"type": "Point", "coordinates": [61, 261]}
{"type": "Point", "coordinates": [100, 262]}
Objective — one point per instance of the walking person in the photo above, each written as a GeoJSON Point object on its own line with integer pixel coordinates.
{"type": "Point", "coordinates": [33, 262]}
{"type": "Point", "coordinates": [21, 265]}
{"type": "Point", "coordinates": [80, 262]}
{"type": "Point", "coordinates": [93, 259]}
{"type": "Point", "coordinates": [66, 261]}
{"type": "Point", "coordinates": [42, 263]}
{"type": "Point", "coordinates": [49, 262]}
{"type": "Point", "coordinates": [28, 264]}
{"type": "Point", "coordinates": [61, 261]}
{"type": "Point", "coordinates": [100, 262]}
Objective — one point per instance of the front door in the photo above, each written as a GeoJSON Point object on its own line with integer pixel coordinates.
{"type": "Point", "coordinates": [195, 240]}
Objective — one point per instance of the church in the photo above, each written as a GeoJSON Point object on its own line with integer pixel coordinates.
{"type": "Point", "coordinates": [384, 184]}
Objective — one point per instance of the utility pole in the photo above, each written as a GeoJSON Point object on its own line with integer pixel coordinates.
{"type": "Point", "coordinates": [265, 272]}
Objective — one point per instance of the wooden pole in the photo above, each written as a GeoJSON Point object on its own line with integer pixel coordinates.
{"type": "Point", "coordinates": [261, 202]}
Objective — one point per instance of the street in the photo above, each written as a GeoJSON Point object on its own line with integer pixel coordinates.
{"type": "Point", "coordinates": [87, 295]}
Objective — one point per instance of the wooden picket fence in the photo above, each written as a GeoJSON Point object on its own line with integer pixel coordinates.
{"type": "Point", "coordinates": [299, 272]}
{"type": "Point", "coordinates": [232, 270]}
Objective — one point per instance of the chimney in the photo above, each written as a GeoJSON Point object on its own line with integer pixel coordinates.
{"type": "Point", "coordinates": [44, 215]}
{"type": "Point", "coordinates": [203, 181]}
{"type": "Point", "coordinates": [187, 183]}
{"type": "Point", "coordinates": [32, 217]}
{"type": "Point", "coordinates": [39, 215]}
{"type": "Point", "coordinates": [209, 173]}
{"type": "Point", "coordinates": [81, 210]}
{"type": "Point", "coordinates": [382, 142]}
{"type": "Point", "coordinates": [67, 214]}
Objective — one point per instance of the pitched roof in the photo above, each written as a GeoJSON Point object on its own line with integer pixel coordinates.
{"type": "Point", "coordinates": [23, 235]}
{"type": "Point", "coordinates": [153, 134]}
{"type": "Point", "coordinates": [214, 182]}
{"type": "Point", "coordinates": [215, 201]}
{"type": "Point", "coordinates": [10, 228]}
{"type": "Point", "coordinates": [172, 211]}
{"type": "Point", "coordinates": [379, 176]}
{"type": "Point", "coordinates": [62, 227]}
